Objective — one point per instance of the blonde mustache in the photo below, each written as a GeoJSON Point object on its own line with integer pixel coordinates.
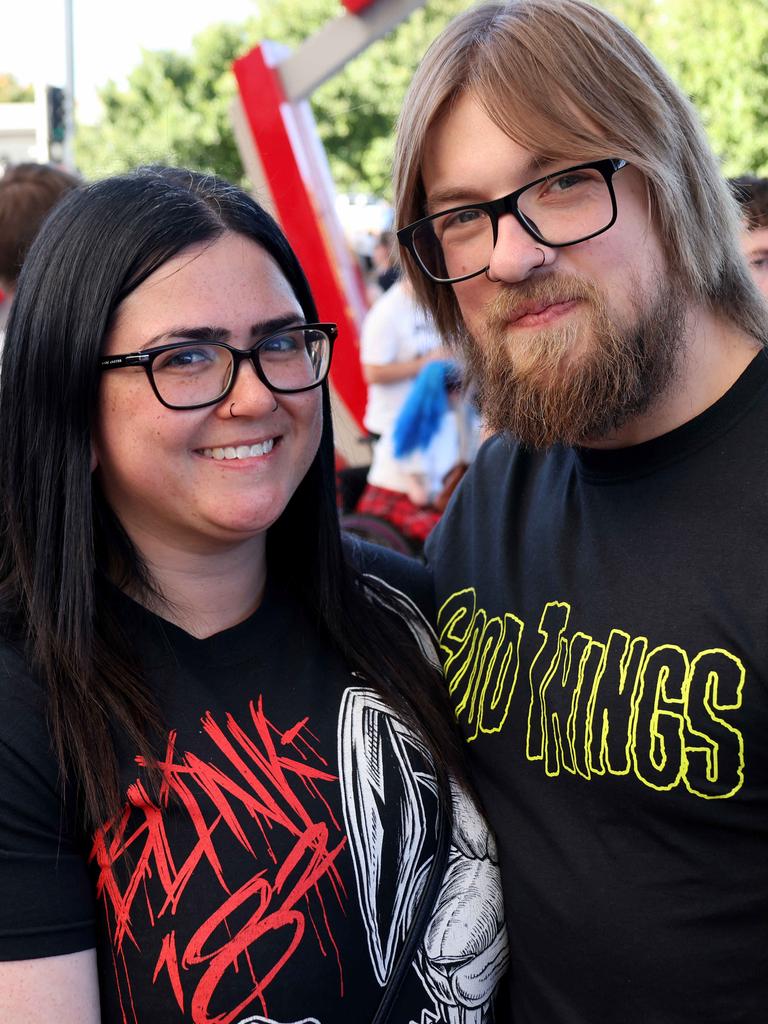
{"type": "Point", "coordinates": [548, 290]}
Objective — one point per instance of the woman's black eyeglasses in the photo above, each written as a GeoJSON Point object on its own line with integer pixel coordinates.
{"type": "Point", "coordinates": [560, 209]}
{"type": "Point", "coordinates": [194, 374]}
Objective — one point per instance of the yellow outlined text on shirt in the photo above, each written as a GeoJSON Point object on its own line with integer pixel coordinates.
{"type": "Point", "coordinates": [599, 707]}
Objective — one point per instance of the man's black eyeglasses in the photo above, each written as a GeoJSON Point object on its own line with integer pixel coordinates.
{"type": "Point", "coordinates": [560, 209]}
{"type": "Point", "coordinates": [189, 374]}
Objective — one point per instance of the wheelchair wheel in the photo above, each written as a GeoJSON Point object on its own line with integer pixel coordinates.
{"type": "Point", "coordinates": [378, 531]}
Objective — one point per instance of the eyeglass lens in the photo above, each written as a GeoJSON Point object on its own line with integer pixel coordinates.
{"type": "Point", "coordinates": [563, 209]}
{"type": "Point", "coordinates": [200, 372]}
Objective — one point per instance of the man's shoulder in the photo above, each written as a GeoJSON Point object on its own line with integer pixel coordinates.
{"type": "Point", "coordinates": [405, 575]}
{"type": "Point", "coordinates": [499, 458]}
{"type": "Point", "coordinates": [501, 472]}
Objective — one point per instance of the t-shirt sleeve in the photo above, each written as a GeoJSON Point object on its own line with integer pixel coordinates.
{"type": "Point", "coordinates": [407, 575]}
{"type": "Point", "coordinates": [379, 338]}
{"type": "Point", "coordinates": [46, 903]}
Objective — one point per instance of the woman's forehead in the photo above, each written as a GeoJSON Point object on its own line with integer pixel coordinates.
{"type": "Point", "coordinates": [222, 283]}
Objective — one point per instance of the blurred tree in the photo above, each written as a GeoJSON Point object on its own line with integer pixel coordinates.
{"type": "Point", "coordinates": [175, 109]}
{"type": "Point", "coordinates": [356, 109]}
{"type": "Point", "coordinates": [11, 91]}
{"type": "Point", "coordinates": [718, 53]}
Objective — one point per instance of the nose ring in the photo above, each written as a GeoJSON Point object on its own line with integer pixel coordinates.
{"type": "Point", "coordinates": [495, 280]}
{"type": "Point", "coordinates": [232, 406]}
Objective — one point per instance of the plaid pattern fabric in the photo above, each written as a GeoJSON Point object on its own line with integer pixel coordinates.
{"type": "Point", "coordinates": [413, 521]}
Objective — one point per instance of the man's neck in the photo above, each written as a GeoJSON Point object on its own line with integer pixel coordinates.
{"type": "Point", "coordinates": [713, 358]}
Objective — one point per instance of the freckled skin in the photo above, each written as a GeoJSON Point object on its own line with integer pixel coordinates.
{"type": "Point", "coordinates": [469, 158]}
{"type": "Point", "coordinates": [466, 149]}
{"type": "Point", "coordinates": [167, 495]}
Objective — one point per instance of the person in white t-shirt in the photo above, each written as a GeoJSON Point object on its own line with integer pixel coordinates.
{"type": "Point", "coordinates": [398, 341]}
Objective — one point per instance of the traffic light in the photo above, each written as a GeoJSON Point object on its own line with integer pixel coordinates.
{"type": "Point", "coordinates": [57, 114]}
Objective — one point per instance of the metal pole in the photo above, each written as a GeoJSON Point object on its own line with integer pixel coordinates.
{"type": "Point", "coordinates": [69, 86]}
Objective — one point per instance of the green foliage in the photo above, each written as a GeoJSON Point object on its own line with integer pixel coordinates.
{"type": "Point", "coordinates": [718, 53]}
{"type": "Point", "coordinates": [356, 109]}
{"type": "Point", "coordinates": [175, 108]}
{"type": "Point", "coordinates": [11, 91]}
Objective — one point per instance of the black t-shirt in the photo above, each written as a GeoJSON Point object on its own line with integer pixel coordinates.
{"type": "Point", "coordinates": [275, 876]}
{"type": "Point", "coordinates": [603, 618]}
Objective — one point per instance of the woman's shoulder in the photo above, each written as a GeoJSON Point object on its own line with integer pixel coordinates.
{"type": "Point", "coordinates": [398, 572]}
{"type": "Point", "coordinates": [16, 676]}
{"type": "Point", "coordinates": [23, 720]}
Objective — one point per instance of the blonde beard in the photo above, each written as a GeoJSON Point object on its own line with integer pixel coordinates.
{"type": "Point", "coordinates": [580, 380]}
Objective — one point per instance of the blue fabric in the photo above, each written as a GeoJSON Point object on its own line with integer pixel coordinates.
{"type": "Point", "coordinates": [426, 404]}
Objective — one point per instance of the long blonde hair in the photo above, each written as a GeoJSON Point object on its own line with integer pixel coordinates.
{"type": "Point", "coordinates": [569, 81]}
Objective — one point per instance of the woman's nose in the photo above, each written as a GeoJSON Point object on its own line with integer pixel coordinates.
{"type": "Point", "coordinates": [249, 395]}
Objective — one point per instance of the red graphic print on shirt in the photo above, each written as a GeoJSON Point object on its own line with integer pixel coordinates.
{"type": "Point", "coordinates": [228, 873]}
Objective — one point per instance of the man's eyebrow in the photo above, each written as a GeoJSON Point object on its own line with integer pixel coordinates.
{"type": "Point", "coordinates": [259, 329]}
{"type": "Point", "coordinates": [456, 195]}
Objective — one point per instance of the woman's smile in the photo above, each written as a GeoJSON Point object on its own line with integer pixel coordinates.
{"type": "Point", "coordinates": [261, 443]}
{"type": "Point", "coordinates": [240, 452]}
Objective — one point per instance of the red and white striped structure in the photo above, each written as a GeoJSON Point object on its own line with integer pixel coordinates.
{"type": "Point", "coordinates": [286, 163]}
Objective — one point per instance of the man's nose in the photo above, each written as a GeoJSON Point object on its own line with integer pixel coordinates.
{"type": "Point", "coordinates": [516, 254]}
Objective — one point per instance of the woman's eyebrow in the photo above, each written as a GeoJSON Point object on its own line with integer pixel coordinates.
{"type": "Point", "coordinates": [199, 333]}
{"type": "Point", "coordinates": [260, 329]}
{"type": "Point", "coordinates": [266, 327]}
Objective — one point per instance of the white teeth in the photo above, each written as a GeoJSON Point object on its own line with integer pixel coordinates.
{"type": "Point", "coordinates": [243, 451]}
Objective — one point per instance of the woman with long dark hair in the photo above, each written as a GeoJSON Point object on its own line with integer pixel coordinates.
{"type": "Point", "coordinates": [227, 775]}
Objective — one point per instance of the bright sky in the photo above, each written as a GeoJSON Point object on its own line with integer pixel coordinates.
{"type": "Point", "coordinates": [108, 38]}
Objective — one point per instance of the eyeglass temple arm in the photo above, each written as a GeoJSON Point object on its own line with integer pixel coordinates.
{"type": "Point", "coordinates": [134, 359]}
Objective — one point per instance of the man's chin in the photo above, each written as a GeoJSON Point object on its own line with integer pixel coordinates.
{"type": "Point", "coordinates": [540, 374]}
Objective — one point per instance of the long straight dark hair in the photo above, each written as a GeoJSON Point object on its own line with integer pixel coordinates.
{"type": "Point", "coordinates": [61, 544]}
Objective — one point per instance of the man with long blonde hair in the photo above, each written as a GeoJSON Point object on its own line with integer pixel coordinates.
{"type": "Point", "coordinates": [600, 573]}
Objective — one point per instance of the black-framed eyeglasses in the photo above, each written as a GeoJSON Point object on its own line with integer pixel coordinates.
{"type": "Point", "coordinates": [189, 374]}
{"type": "Point", "coordinates": [560, 209]}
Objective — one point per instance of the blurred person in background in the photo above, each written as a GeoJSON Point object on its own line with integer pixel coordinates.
{"type": "Point", "coordinates": [28, 192]}
{"type": "Point", "coordinates": [386, 266]}
{"type": "Point", "coordinates": [398, 340]}
{"type": "Point", "coordinates": [752, 194]}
